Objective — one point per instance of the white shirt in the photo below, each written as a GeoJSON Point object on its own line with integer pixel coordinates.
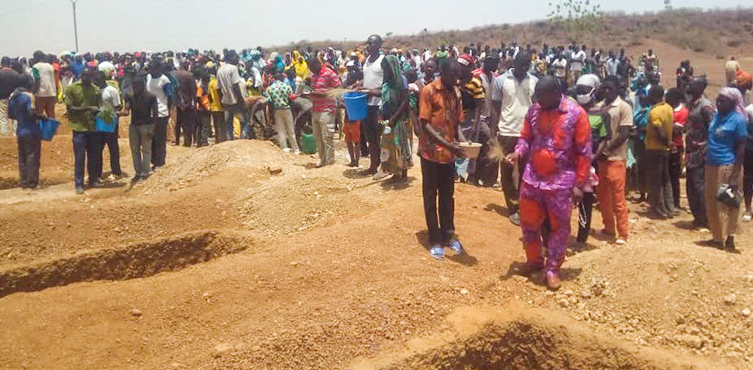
{"type": "Point", "coordinates": [516, 97]}
{"type": "Point", "coordinates": [156, 86]}
{"type": "Point", "coordinates": [110, 97]}
{"type": "Point", "coordinates": [578, 59]}
{"type": "Point", "coordinates": [749, 109]}
{"type": "Point", "coordinates": [47, 86]}
{"type": "Point", "coordinates": [560, 67]}
{"type": "Point", "coordinates": [373, 78]}
{"type": "Point", "coordinates": [427, 55]}
{"type": "Point", "coordinates": [227, 77]}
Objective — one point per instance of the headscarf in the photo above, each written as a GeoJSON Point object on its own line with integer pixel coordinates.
{"type": "Point", "coordinates": [393, 86]}
{"type": "Point", "coordinates": [736, 96]}
{"type": "Point", "coordinates": [744, 79]}
{"type": "Point", "coordinates": [300, 65]}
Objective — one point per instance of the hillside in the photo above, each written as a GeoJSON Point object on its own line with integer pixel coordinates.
{"type": "Point", "coordinates": [719, 32]}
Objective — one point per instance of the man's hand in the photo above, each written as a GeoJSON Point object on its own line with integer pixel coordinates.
{"type": "Point", "coordinates": [577, 195]}
{"type": "Point", "coordinates": [512, 158]}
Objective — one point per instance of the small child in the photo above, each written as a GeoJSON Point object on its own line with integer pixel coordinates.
{"type": "Point", "coordinates": [352, 132]}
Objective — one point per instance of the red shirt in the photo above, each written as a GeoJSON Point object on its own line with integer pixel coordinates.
{"type": "Point", "coordinates": [680, 116]}
{"type": "Point", "coordinates": [326, 80]}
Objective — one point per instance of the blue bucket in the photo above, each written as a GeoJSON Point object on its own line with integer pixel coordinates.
{"type": "Point", "coordinates": [48, 127]}
{"type": "Point", "coordinates": [104, 126]}
{"type": "Point", "coordinates": [355, 105]}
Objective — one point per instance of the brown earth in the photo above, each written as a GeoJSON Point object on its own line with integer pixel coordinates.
{"type": "Point", "coordinates": [215, 263]}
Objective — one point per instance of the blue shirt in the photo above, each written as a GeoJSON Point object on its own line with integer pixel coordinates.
{"type": "Point", "coordinates": [724, 134]}
{"type": "Point", "coordinates": [20, 109]}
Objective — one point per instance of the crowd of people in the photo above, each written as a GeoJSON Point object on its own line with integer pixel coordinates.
{"type": "Point", "coordinates": [559, 127]}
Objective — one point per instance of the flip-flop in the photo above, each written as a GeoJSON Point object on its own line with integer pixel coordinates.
{"type": "Point", "coordinates": [457, 247]}
{"type": "Point", "coordinates": [437, 252]}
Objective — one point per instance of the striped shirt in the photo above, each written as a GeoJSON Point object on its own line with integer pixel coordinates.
{"type": "Point", "coordinates": [473, 94]}
{"type": "Point", "coordinates": [322, 82]}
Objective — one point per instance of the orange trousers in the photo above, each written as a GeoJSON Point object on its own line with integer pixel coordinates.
{"type": "Point", "coordinates": [611, 193]}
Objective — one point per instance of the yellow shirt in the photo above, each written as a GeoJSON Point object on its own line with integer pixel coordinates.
{"type": "Point", "coordinates": [214, 96]}
{"type": "Point", "coordinates": [659, 118]}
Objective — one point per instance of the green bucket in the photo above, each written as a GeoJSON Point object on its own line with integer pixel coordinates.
{"type": "Point", "coordinates": [308, 143]}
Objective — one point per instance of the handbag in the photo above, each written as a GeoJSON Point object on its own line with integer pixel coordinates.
{"type": "Point", "coordinates": [728, 196]}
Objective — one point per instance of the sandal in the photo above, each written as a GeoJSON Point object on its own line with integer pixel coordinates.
{"type": "Point", "coordinates": [457, 247]}
{"type": "Point", "coordinates": [437, 252]}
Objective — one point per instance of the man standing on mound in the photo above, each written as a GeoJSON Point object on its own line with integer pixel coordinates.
{"type": "Point", "coordinates": [556, 139]}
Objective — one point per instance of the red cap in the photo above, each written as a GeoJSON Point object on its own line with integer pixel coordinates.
{"type": "Point", "coordinates": [466, 60]}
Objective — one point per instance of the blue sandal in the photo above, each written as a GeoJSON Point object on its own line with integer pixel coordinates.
{"type": "Point", "coordinates": [437, 252]}
{"type": "Point", "coordinates": [457, 247]}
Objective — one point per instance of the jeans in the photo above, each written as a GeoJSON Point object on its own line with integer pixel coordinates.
{"type": "Point", "coordinates": [140, 141]}
{"type": "Point", "coordinates": [159, 142]}
{"type": "Point", "coordinates": [285, 129]}
{"type": "Point", "coordinates": [694, 186]}
{"type": "Point", "coordinates": [324, 134]}
{"type": "Point", "coordinates": [372, 132]}
{"type": "Point", "coordinates": [659, 188]}
{"type": "Point", "coordinates": [238, 110]}
{"type": "Point", "coordinates": [29, 151]}
{"type": "Point", "coordinates": [220, 127]}
{"type": "Point", "coordinates": [438, 181]}
{"type": "Point", "coordinates": [84, 148]}
{"type": "Point", "coordinates": [675, 170]}
{"type": "Point", "coordinates": [186, 121]}
{"type": "Point", "coordinates": [510, 182]}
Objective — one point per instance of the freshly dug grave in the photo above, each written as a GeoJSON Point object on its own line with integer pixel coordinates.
{"type": "Point", "coordinates": [134, 261]}
{"type": "Point", "coordinates": [534, 340]}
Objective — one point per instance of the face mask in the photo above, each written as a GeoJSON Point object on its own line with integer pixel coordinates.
{"type": "Point", "coordinates": [585, 99]}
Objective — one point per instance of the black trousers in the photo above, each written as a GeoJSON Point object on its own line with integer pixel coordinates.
{"type": "Point", "coordinates": [641, 166]}
{"type": "Point", "coordinates": [159, 142]}
{"type": "Point", "coordinates": [748, 175]}
{"type": "Point", "coordinates": [373, 133]}
{"type": "Point", "coordinates": [87, 156]}
{"type": "Point", "coordinates": [29, 153]}
{"type": "Point", "coordinates": [659, 187]}
{"type": "Point", "coordinates": [186, 120]}
{"type": "Point", "coordinates": [220, 127]}
{"type": "Point", "coordinates": [675, 170]}
{"type": "Point", "coordinates": [438, 181]}
{"type": "Point", "coordinates": [203, 128]}
{"type": "Point", "coordinates": [585, 210]}
{"type": "Point", "coordinates": [694, 186]}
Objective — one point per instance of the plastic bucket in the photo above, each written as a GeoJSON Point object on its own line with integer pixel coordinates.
{"type": "Point", "coordinates": [308, 143]}
{"type": "Point", "coordinates": [48, 127]}
{"type": "Point", "coordinates": [355, 105]}
{"type": "Point", "coordinates": [103, 126]}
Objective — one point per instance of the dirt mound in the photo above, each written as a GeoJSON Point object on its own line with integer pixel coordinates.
{"type": "Point", "coordinates": [290, 205]}
{"type": "Point", "coordinates": [135, 261]}
{"type": "Point", "coordinates": [200, 163]}
{"type": "Point", "coordinates": [530, 341]}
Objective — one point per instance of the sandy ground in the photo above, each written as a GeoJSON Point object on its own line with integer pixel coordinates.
{"type": "Point", "coordinates": [215, 263]}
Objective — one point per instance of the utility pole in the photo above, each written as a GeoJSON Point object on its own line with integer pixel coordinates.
{"type": "Point", "coordinates": [75, 26]}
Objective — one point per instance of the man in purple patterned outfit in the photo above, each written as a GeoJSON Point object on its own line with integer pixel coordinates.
{"type": "Point", "coordinates": [556, 138]}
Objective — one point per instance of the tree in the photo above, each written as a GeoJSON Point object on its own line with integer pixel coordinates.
{"type": "Point", "coordinates": [576, 18]}
{"type": "Point", "coordinates": [668, 4]}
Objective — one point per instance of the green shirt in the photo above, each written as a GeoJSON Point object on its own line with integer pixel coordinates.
{"type": "Point", "coordinates": [76, 95]}
{"type": "Point", "coordinates": [279, 93]}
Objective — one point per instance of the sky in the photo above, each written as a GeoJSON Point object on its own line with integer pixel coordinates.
{"type": "Point", "coordinates": [154, 25]}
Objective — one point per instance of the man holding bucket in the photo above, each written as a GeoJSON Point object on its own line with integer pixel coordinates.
{"type": "Point", "coordinates": [21, 108]}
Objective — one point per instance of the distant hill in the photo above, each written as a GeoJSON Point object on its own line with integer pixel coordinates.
{"type": "Point", "coordinates": [718, 32]}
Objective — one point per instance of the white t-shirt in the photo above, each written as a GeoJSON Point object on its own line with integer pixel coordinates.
{"type": "Point", "coordinates": [110, 97]}
{"type": "Point", "coordinates": [227, 77]}
{"type": "Point", "coordinates": [156, 86]}
{"type": "Point", "coordinates": [578, 59]}
{"type": "Point", "coordinates": [516, 97]}
{"type": "Point", "coordinates": [373, 78]}
{"type": "Point", "coordinates": [560, 67]}
{"type": "Point", "coordinates": [47, 86]}
{"type": "Point", "coordinates": [749, 109]}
